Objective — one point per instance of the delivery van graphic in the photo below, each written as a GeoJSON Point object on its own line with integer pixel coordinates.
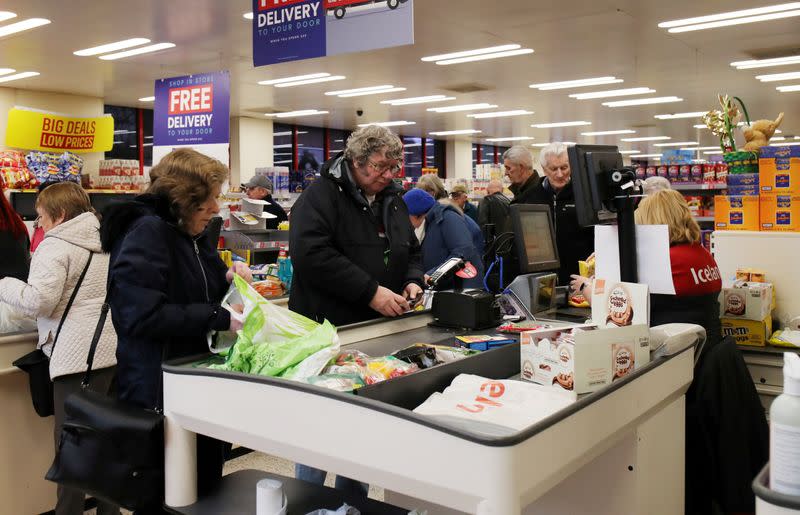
{"type": "Point", "coordinates": [339, 7]}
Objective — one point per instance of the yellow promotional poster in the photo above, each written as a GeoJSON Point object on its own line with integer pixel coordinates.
{"type": "Point", "coordinates": [47, 132]}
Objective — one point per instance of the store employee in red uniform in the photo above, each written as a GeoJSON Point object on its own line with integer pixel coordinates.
{"type": "Point", "coordinates": [694, 272]}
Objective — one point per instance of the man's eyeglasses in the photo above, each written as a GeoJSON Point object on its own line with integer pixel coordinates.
{"type": "Point", "coordinates": [384, 167]}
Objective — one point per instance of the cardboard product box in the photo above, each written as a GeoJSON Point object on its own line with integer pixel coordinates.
{"type": "Point", "coordinates": [747, 300]}
{"type": "Point", "coordinates": [779, 168]}
{"type": "Point", "coordinates": [780, 212]}
{"type": "Point", "coordinates": [618, 304]}
{"type": "Point", "coordinates": [736, 213]}
{"type": "Point", "coordinates": [743, 190]}
{"type": "Point", "coordinates": [585, 358]}
{"type": "Point", "coordinates": [748, 332]}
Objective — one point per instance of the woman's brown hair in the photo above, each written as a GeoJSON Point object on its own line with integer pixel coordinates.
{"type": "Point", "coordinates": [65, 199]}
{"type": "Point", "coordinates": [186, 178]}
{"type": "Point", "coordinates": [668, 207]}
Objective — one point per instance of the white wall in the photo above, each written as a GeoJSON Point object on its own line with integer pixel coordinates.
{"type": "Point", "coordinates": [71, 105]}
{"type": "Point", "coordinates": [458, 156]}
{"type": "Point", "coordinates": [251, 147]}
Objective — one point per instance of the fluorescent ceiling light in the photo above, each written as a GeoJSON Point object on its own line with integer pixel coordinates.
{"type": "Point", "coordinates": [513, 138]}
{"type": "Point", "coordinates": [630, 151]}
{"type": "Point", "coordinates": [387, 124]}
{"type": "Point", "coordinates": [778, 138]}
{"type": "Point", "coordinates": [147, 99]}
{"type": "Point", "coordinates": [709, 152]}
{"type": "Point", "coordinates": [282, 133]}
{"type": "Point", "coordinates": [541, 145]}
{"type": "Point", "coordinates": [788, 89]}
{"type": "Point", "coordinates": [700, 126]}
{"type": "Point", "coordinates": [6, 15]}
{"type": "Point", "coordinates": [673, 116]}
{"type": "Point", "coordinates": [676, 144]}
{"type": "Point", "coordinates": [646, 138]}
{"type": "Point", "coordinates": [272, 82]}
{"type": "Point", "coordinates": [137, 51]}
{"type": "Point", "coordinates": [771, 12]}
{"type": "Point", "coordinates": [483, 57]}
{"type": "Point", "coordinates": [578, 83]}
{"type": "Point", "coordinates": [417, 100]}
{"type": "Point", "coordinates": [453, 133]}
{"type": "Point", "coordinates": [462, 107]}
{"type": "Point", "coordinates": [765, 63]}
{"type": "Point", "coordinates": [310, 81]}
{"type": "Point", "coordinates": [111, 47]}
{"type": "Point", "coordinates": [608, 133]}
{"type": "Point", "coordinates": [30, 23]}
{"type": "Point", "coordinates": [778, 76]}
{"type": "Point", "coordinates": [649, 155]}
{"type": "Point", "coordinates": [370, 90]}
{"type": "Point", "coordinates": [500, 114]}
{"type": "Point", "coordinates": [612, 93]}
{"type": "Point", "coordinates": [787, 144]}
{"type": "Point", "coordinates": [377, 92]}
{"type": "Point", "coordinates": [559, 124]}
{"type": "Point", "coordinates": [17, 76]}
{"type": "Point", "coordinates": [701, 148]}
{"type": "Point", "coordinates": [469, 53]}
{"type": "Point", "coordinates": [642, 101]}
{"type": "Point", "coordinates": [292, 114]}
{"type": "Point", "coordinates": [124, 131]}
{"type": "Point", "coordinates": [6, 71]}
{"type": "Point", "coordinates": [248, 15]}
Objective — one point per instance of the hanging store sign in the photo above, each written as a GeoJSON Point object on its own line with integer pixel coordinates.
{"type": "Point", "coordinates": [291, 30]}
{"type": "Point", "coordinates": [31, 129]}
{"type": "Point", "coordinates": [192, 111]}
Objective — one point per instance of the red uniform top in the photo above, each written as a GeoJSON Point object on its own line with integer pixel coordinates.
{"type": "Point", "coordinates": [694, 271]}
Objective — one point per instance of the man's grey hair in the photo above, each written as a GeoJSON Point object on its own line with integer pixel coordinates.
{"type": "Point", "coordinates": [495, 186]}
{"type": "Point", "coordinates": [519, 155]}
{"type": "Point", "coordinates": [654, 184]}
{"type": "Point", "coordinates": [370, 139]}
{"type": "Point", "coordinates": [554, 149]}
{"type": "Point", "coordinates": [432, 184]}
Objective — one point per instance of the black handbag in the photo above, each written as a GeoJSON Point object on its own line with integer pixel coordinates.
{"type": "Point", "coordinates": [37, 364]}
{"type": "Point", "coordinates": [108, 448]}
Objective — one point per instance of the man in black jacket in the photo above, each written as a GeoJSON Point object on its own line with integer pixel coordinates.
{"type": "Point", "coordinates": [574, 242]}
{"type": "Point", "coordinates": [354, 252]}
{"type": "Point", "coordinates": [518, 163]}
{"type": "Point", "coordinates": [494, 207]}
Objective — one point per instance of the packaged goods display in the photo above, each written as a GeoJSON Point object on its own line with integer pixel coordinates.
{"type": "Point", "coordinates": [617, 304]}
{"type": "Point", "coordinates": [736, 212]}
{"type": "Point", "coordinates": [779, 212]}
{"type": "Point", "coordinates": [754, 333]}
{"type": "Point", "coordinates": [584, 358]}
{"type": "Point", "coordinates": [747, 300]}
{"type": "Point", "coordinates": [14, 172]}
{"type": "Point", "coordinates": [742, 162]}
{"type": "Point", "coordinates": [779, 168]}
{"type": "Point", "coordinates": [120, 175]}
{"type": "Point", "coordinates": [48, 167]}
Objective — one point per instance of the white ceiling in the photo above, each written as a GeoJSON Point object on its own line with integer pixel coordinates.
{"type": "Point", "coordinates": [572, 39]}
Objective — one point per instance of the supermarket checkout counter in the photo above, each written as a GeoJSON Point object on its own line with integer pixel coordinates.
{"type": "Point", "coordinates": [26, 440]}
{"type": "Point", "coordinates": [617, 450]}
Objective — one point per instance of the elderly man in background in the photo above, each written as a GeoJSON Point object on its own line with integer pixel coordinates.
{"type": "Point", "coordinates": [460, 198]}
{"type": "Point", "coordinates": [518, 162]}
{"type": "Point", "coordinates": [260, 188]}
{"type": "Point", "coordinates": [493, 208]}
{"type": "Point", "coordinates": [574, 242]}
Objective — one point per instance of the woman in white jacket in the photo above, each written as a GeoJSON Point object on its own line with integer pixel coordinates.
{"type": "Point", "coordinates": [71, 236]}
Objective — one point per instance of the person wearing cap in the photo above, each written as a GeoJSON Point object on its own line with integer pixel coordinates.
{"type": "Point", "coordinates": [460, 198]}
{"type": "Point", "coordinates": [443, 233]}
{"type": "Point", "coordinates": [260, 188]}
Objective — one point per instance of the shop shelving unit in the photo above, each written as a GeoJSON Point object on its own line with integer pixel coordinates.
{"type": "Point", "coordinates": [261, 246]}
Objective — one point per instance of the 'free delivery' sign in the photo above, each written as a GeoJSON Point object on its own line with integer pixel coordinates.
{"type": "Point", "coordinates": [192, 110]}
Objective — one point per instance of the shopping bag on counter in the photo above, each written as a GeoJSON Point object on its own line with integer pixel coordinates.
{"type": "Point", "coordinates": [275, 341]}
{"type": "Point", "coordinates": [511, 404]}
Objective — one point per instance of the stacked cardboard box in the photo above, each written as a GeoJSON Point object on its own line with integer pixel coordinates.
{"type": "Point", "coordinates": [779, 170]}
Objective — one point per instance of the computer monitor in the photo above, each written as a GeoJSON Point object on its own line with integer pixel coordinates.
{"type": "Point", "coordinates": [24, 203]}
{"type": "Point", "coordinates": [535, 239]}
{"type": "Point", "coordinates": [594, 196]}
{"type": "Point", "coordinates": [100, 201]}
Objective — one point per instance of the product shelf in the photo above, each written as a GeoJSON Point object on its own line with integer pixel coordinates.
{"type": "Point", "coordinates": [698, 186]}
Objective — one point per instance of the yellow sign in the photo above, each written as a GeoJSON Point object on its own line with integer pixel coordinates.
{"type": "Point", "coordinates": [37, 130]}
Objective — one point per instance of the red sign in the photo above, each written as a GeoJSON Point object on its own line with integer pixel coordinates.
{"type": "Point", "coordinates": [192, 99]}
{"type": "Point", "coordinates": [265, 5]}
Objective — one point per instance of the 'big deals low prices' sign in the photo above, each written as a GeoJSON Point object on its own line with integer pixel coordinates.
{"type": "Point", "coordinates": [192, 111]}
{"type": "Point", "coordinates": [38, 130]}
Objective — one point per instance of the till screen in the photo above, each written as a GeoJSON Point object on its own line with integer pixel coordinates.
{"type": "Point", "coordinates": [538, 239]}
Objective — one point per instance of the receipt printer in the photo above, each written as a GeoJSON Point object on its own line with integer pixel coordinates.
{"type": "Point", "coordinates": [474, 309]}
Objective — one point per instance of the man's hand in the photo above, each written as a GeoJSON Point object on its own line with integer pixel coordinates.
{"type": "Point", "coordinates": [388, 303]}
{"type": "Point", "coordinates": [412, 293]}
{"type": "Point", "coordinates": [240, 269]}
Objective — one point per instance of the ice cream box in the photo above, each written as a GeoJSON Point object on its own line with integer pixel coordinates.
{"type": "Point", "coordinates": [747, 300]}
{"type": "Point", "coordinates": [780, 212]}
{"type": "Point", "coordinates": [585, 358]}
{"type": "Point", "coordinates": [736, 213]}
{"type": "Point", "coordinates": [748, 332]}
{"type": "Point", "coordinates": [618, 304]}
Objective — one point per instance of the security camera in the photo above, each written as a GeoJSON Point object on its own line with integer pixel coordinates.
{"type": "Point", "coordinates": [359, 112]}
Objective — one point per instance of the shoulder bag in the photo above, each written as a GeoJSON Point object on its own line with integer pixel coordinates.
{"type": "Point", "coordinates": [37, 364]}
{"type": "Point", "coordinates": [110, 449]}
